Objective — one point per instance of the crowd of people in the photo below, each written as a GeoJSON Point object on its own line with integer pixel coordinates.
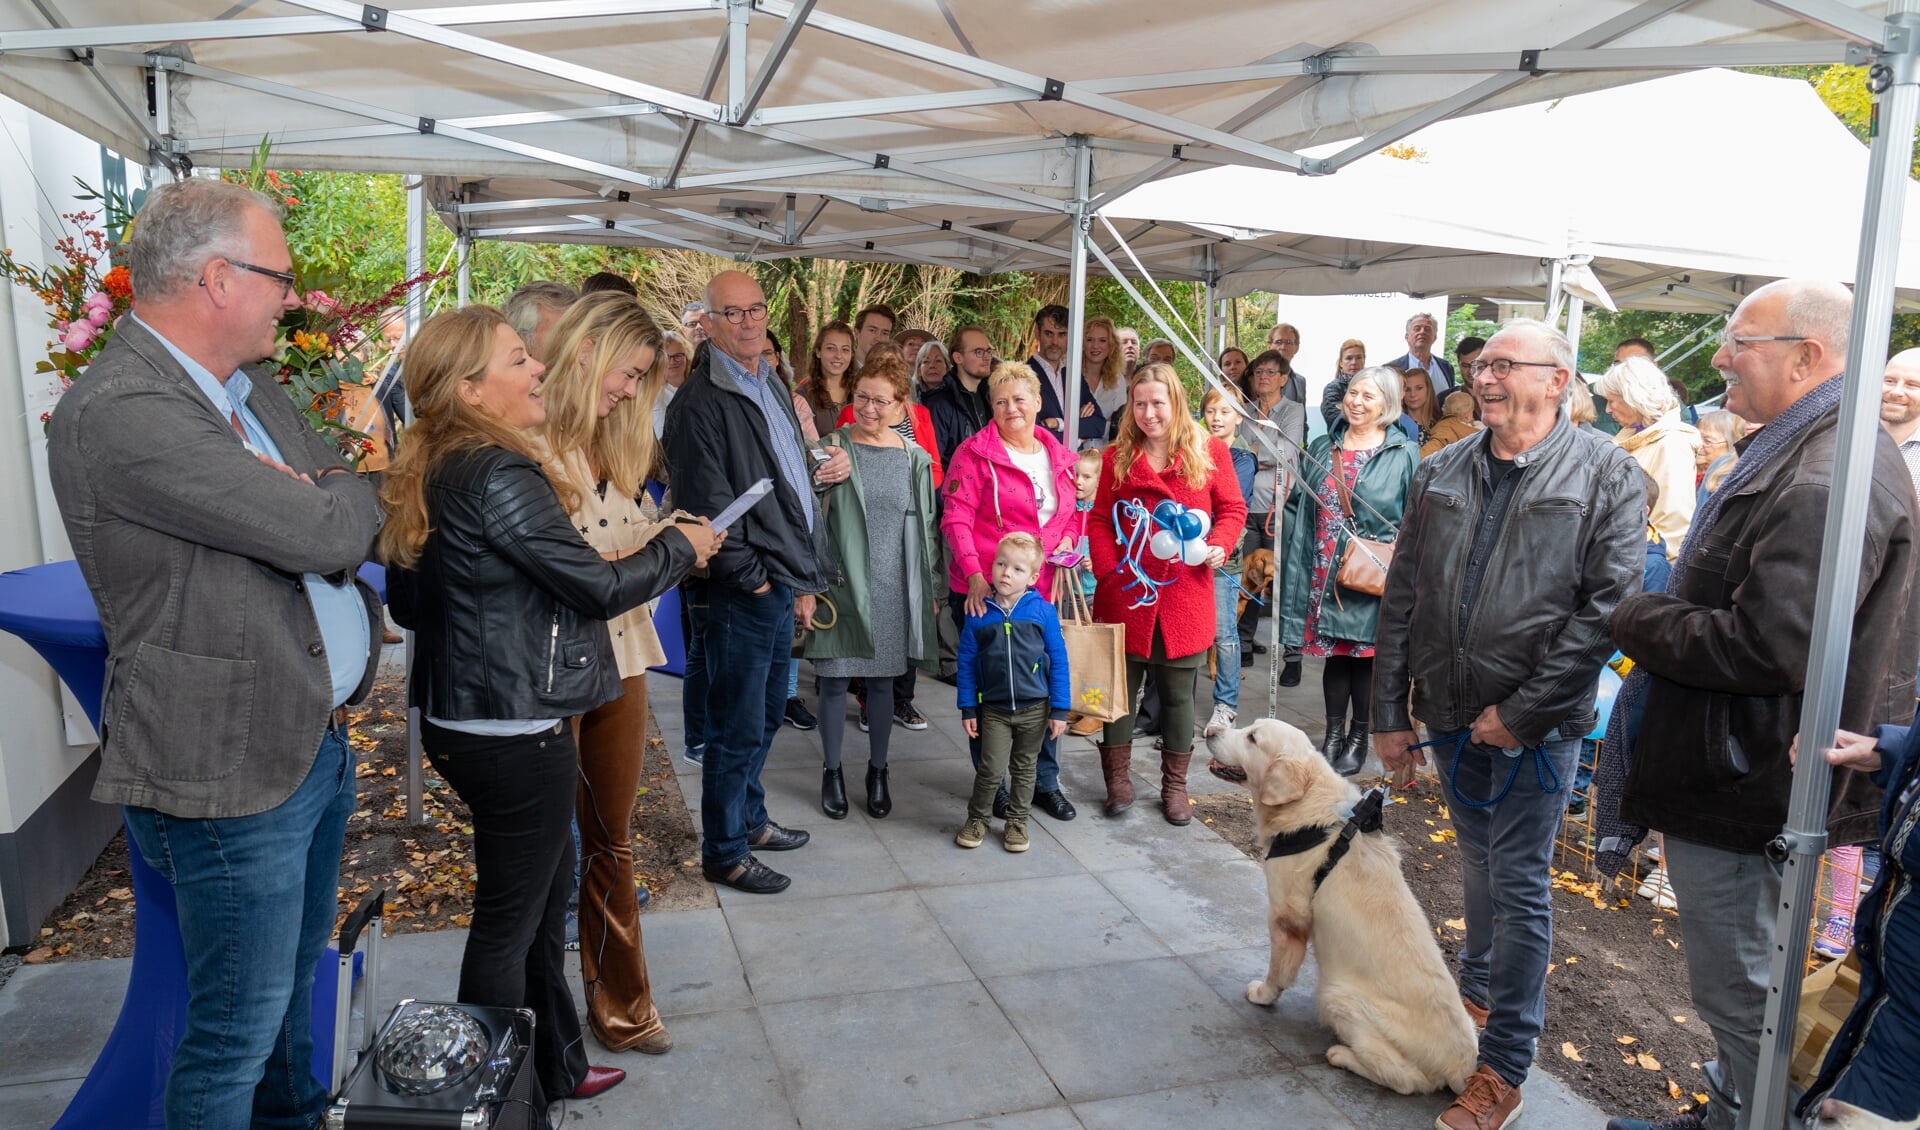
{"type": "Point", "coordinates": [1462, 551]}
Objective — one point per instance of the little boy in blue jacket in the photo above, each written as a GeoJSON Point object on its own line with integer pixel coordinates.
{"type": "Point", "coordinates": [1014, 687]}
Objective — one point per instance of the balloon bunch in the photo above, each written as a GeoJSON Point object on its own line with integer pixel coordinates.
{"type": "Point", "coordinates": [1169, 532]}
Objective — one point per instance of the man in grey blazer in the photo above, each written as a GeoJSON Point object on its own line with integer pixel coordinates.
{"type": "Point", "coordinates": [219, 535]}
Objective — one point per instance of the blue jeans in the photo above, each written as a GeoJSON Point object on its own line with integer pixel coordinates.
{"type": "Point", "coordinates": [693, 685]}
{"type": "Point", "coordinates": [1226, 641]}
{"type": "Point", "coordinates": [748, 644]}
{"type": "Point", "coordinates": [256, 896]}
{"type": "Point", "coordinates": [1046, 778]}
{"type": "Point", "coordinates": [1506, 852]}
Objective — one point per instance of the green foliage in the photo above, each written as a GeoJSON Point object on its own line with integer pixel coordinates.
{"type": "Point", "coordinates": [1601, 331]}
{"type": "Point", "coordinates": [1463, 323]}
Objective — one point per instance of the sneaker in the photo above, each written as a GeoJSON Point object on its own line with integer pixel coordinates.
{"type": "Point", "coordinates": [863, 721]}
{"type": "Point", "coordinates": [1014, 836]}
{"type": "Point", "coordinates": [1691, 1120]}
{"type": "Point", "coordinates": [1835, 938]}
{"type": "Point", "coordinates": [1222, 720]}
{"type": "Point", "coordinates": [694, 755]}
{"type": "Point", "coordinates": [972, 834]}
{"type": "Point", "coordinates": [1488, 1103]}
{"type": "Point", "coordinates": [1659, 890]}
{"type": "Point", "coordinates": [907, 716]}
{"type": "Point", "coordinates": [1577, 807]}
{"type": "Point", "coordinates": [799, 717]}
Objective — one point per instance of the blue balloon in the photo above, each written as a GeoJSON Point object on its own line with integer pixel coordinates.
{"type": "Point", "coordinates": [1166, 513]}
{"type": "Point", "coordinates": [1187, 524]}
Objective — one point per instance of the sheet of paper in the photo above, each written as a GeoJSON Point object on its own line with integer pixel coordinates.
{"type": "Point", "coordinates": [741, 505]}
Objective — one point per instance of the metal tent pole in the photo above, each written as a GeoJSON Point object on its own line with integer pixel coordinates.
{"type": "Point", "coordinates": [1576, 310]}
{"type": "Point", "coordinates": [1077, 294]}
{"type": "Point", "coordinates": [463, 269]}
{"type": "Point", "coordinates": [416, 311]}
{"type": "Point", "coordinates": [1212, 327]}
{"type": "Point", "coordinates": [1800, 843]}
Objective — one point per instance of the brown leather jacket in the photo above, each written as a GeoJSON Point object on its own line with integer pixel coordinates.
{"type": "Point", "coordinates": [1728, 654]}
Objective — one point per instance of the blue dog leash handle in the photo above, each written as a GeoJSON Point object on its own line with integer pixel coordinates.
{"type": "Point", "coordinates": [1545, 775]}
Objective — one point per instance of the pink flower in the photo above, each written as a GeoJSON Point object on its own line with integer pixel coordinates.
{"type": "Point", "coordinates": [99, 315]}
{"type": "Point", "coordinates": [320, 302]}
{"type": "Point", "coordinates": [100, 300]}
{"type": "Point", "coordinates": [79, 335]}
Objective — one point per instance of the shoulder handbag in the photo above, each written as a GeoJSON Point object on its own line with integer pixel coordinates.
{"type": "Point", "coordinates": [1364, 564]}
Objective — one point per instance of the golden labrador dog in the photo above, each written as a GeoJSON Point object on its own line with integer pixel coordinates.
{"type": "Point", "coordinates": [1384, 989]}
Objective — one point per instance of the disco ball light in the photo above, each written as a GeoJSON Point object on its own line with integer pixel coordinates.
{"type": "Point", "coordinates": [430, 1049]}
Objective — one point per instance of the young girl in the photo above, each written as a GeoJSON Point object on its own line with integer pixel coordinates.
{"type": "Point", "coordinates": [1223, 420]}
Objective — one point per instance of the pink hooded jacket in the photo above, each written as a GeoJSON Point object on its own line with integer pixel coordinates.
{"type": "Point", "coordinates": [987, 498]}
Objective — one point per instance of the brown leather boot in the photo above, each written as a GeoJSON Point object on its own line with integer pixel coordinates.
{"type": "Point", "coordinates": [1173, 789]}
{"type": "Point", "coordinates": [1115, 761]}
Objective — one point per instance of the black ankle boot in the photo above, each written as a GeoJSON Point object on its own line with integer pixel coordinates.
{"type": "Point", "coordinates": [879, 800]}
{"type": "Point", "coordinates": [1335, 741]}
{"type": "Point", "coordinates": [833, 794]}
{"type": "Point", "coordinates": [1353, 754]}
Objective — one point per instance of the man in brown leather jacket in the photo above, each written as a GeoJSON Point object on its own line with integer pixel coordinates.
{"type": "Point", "coordinates": [1726, 648]}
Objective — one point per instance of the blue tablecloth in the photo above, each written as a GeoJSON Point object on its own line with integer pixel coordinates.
{"type": "Point", "coordinates": [49, 607]}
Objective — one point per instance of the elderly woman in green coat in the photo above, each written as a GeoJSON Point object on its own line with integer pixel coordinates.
{"type": "Point", "coordinates": [1374, 463]}
{"type": "Point", "coordinates": [883, 584]}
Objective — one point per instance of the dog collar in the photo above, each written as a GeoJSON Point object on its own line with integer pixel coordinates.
{"type": "Point", "coordinates": [1368, 816]}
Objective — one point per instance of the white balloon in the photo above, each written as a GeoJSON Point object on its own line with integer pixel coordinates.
{"type": "Point", "coordinates": [1195, 552]}
{"type": "Point", "coordinates": [1206, 522]}
{"type": "Point", "coordinates": [1165, 545]}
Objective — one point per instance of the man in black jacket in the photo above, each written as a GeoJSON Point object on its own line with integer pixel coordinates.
{"type": "Point", "coordinates": [959, 407]}
{"type": "Point", "coordinates": [1726, 648]}
{"type": "Point", "coordinates": [732, 424]}
{"type": "Point", "coordinates": [1515, 549]}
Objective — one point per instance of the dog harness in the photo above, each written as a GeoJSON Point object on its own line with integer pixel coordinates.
{"type": "Point", "coordinates": [1368, 816]}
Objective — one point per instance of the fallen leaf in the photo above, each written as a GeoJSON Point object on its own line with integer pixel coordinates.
{"type": "Point", "coordinates": [1456, 924]}
{"type": "Point", "coordinates": [120, 894]}
{"type": "Point", "coordinates": [1679, 1020]}
{"type": "Point", "coordinates": [1674, 1091]}
{"type": "Point", "coordinates": [36, 957]}
{"type": "Point", "coordinates": [1700, 1097]}
{"type": "Point", "coordinates": [1436, 837]}
{"type": "Point", "coordinates": [1646, 1061]}
{"type": "Point", "coordinates": [1626, 1039]}
{"type": "Point", "coordinates": [1573, 959]}
{"type": "Point", "coordinates": [1550, 968]}
{"type": "Point", "coordinates": [1567, 1049]}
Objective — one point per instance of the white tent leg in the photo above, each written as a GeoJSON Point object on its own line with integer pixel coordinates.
{"type": "Point", "coordinates": [1212, 327]}
{"type": "Point", "coordinates": [1804, 838]}
{"type": "Point", "coordinates": [1576, 310]}
{"type": "Point", "coordinates": [1553, 292]}
{"type": "Point", "coordinates": [1077, 295]}
{"type": "Point", "coordinates": [463, 269]}
{"type": "Point", "coordinates": [416, 312]}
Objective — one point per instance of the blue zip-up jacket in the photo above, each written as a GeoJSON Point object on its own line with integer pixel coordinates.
{"type": "Point", "coordinates": [1014, 660]}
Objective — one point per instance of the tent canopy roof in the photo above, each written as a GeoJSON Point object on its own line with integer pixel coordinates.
{"type": "Point", "coordinates": [914, 102]}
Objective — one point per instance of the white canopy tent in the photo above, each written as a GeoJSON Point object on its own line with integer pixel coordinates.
{"type": "Point", "coordinates": [1053, 107]}
{"type": "Point", "coordinates": [1656, 182]}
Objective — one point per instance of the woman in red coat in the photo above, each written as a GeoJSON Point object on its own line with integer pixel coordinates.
{"type": "Point", "coordinates": [1162, 454]}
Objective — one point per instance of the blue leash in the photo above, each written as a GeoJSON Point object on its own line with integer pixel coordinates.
{"type": "Point", "coordinates": [1544, 774]}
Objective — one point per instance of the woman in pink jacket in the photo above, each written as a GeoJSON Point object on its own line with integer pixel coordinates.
{"type": "Point", "coordinates": [1009, 477]}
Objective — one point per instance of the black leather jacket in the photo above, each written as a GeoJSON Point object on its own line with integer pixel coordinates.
{"type": "Point", "coordinates": [1570, 547]}
{"type": "Point", "coordinates": [509, 603]}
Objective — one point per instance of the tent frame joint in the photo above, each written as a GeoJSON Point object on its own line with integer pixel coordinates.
{"type": "Point", "coordinates": [372, 18]}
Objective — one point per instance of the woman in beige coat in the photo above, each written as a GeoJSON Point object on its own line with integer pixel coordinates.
{"type": "Point", "coordinates": [1641, 400]}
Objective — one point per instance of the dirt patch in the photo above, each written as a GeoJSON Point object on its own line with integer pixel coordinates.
{"type": "Point", "coordinates": [427, 868]}
{"type": "Point", "coordinates": [1616, 989]}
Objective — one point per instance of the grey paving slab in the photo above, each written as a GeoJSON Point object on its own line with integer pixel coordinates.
{"type": "Point", "coordinates": [911, 1057]}
{"type": "Point", "coordinates": [1206, 905]}
{"type": "Point", "coordinates": [1290, 1023]}
{"type": "Point", "coordinates": [1547, 1102]}
{"type": "Point", "coordinates": [1118, 1029]}
{"type": "Point", "coordinates": [842, 857]}
{"type": "Point", "coordinates": [847, 944]}
{"type": "Point", "coordinates": [1033, 925]}
{"type": "Point", "coordinates": [721, 1072]}
{"type": "Point", "coordinates": [31, 1106]}
{"type": "Point", "coordinates": [1262, 1103]}
{"type": "Point", "coordinates": [1052, 1118]}
{"type": "Point", "coordinates": [928, 810]}
{"type": "Point", "coordinates": [693, 964]}
{"type": "Point", "coordinates": [420, 966]}
{"type": "Point", "coordinates": [77, 999]}
{"type": "Point", "coordinates": [1138, 838]}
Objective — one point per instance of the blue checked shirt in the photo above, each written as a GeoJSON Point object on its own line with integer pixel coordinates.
{"type": "Point", "coordinates": [767, 393]}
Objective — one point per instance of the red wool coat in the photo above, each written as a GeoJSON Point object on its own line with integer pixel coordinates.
{"type": "Point", "coordinates": [1184, 612]}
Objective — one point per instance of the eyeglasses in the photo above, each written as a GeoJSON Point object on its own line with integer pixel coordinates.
{"type": "Point", "coordinates": [987, 352]}
{"type": "Point", "coordinates": [737, 315]}
{"type": "Point", "coordinates": [862, 400]}
{"type": "Point", "coordinates": [1501, 367]}
{"type": "Point", "coordinates": [1733, 342]}
{"type": "Point", "coordinates": [284, 278]}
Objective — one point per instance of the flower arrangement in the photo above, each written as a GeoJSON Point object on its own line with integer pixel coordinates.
{"type": "Point", "coordinates": [325, 350]}
{"type": "Point", "coordinates": [83, 300]}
